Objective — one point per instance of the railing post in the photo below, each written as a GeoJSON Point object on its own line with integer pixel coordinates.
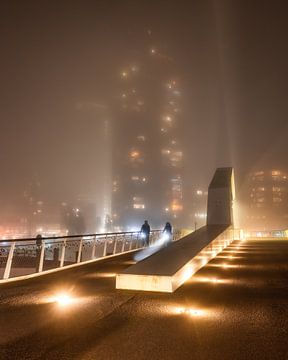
{"type": "Point", "coordinates": [62, 257]}
{"type": "Point", "coordinates": [131, 242]}
{"type": "Point", "coordinates": [123, 243]}
{"type": "Point", "coordinates": [115, 245]}
{"type": "Point", "coordinates": [41, 261]}
{"type": "Point", "coordinates": [93, 249]}
{"type": "Point", "coordinates": [9, 261]}
{"type": "Point", "coordinates": [151, 238]}
{"type": "Point", "coordinates": [105, 247]}
{"type": "Point", "coordinates": [80, 250]}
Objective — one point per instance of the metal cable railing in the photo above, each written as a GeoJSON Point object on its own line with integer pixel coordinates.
{"type": "Point", "coordinates": [20, 257]}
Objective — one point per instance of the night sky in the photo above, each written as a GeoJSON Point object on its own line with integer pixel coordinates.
{"type": "Point", "coordinates": [231, 57]}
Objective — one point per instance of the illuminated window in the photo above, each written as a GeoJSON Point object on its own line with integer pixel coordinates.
{"type": "Point", "coordinates": [138, 206]}
{"type": "Point", "coordinates": [276, 189]}
{"type": "Point", "coordinates": [176, 187]}
{"type": "Point", "coordinates": [141, 138]}
{"type": "Point", "coordinates": [138, 203]}
{"type": "Point", "coordinates": [167, 118]}
{"type": "Point", "coordinates": [138, 179]}
{"type": "Point", "coordinates": [134, 154]}
{"type": "Point", "coordinates": [165, 151]}
{"type": "Point", "coordinates": [115, 186]}
{"type": "Point", "coordinates": [176, 206]}
{"type": "Point", "coordinates": [172, 157]}
{"type": "Point", "coordinates": [134, 68]}
{"type": "Point", "coordinates": [176, 158]}
{"type": "Point", "coordinates": [124, 74]}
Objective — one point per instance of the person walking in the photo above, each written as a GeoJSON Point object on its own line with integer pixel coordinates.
{"type": "Point", "coordinates": [39, 244]}
{"type": "Point", "coordinates": [145, 233]}
{"type": "Point", "coordinates": [167, 232]}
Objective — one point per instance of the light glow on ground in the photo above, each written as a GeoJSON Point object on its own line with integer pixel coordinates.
{"type": "Point", "coordinates": [63, 299]}
{"type": "Point", "coordinates": [191, 312]}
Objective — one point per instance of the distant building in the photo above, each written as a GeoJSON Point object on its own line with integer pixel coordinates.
{"type": "Point", "coordinates": [147, 156]}
{"type": "Point", "coordinates": [267, 200]}
{"type": "Point", "coordinates": [196, 207]}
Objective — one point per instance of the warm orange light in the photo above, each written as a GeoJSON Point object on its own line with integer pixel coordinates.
{"type": "Point", "coordinates": [188, 311]}
{"type": "Point", "coordinates": [134, 154]}
{"type": "Point", "coordinates": [62, 299]}
{"type": "Point", "coordinates": [175, 206]}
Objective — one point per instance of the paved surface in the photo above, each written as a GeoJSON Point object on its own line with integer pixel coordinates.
{"type": "Point", "coordinates": [234, 312]}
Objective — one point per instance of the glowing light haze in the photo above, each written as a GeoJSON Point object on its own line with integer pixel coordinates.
{"type": "Point", "coordinates": [60, 63]}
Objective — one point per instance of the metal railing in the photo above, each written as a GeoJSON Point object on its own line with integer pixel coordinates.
{"type": "Point", "coordinates": [266, 234]}
{"type": "Point", "coordinates": [20, 257]}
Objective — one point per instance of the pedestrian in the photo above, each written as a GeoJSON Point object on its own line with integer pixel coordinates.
{"type": "Point", "coordinates": [145, 233]}
{"type": "Point", "coordinates": [167, 232]}
{"type": "Point", "coordinates": [38, 250]}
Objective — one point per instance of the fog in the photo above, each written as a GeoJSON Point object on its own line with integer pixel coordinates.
{"type": "Point", "coordinates": [59, 82]}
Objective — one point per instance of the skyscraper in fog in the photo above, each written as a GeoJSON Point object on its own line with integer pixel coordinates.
{"type": "Point", "coordinates": [147, 156]}
{"type": "Point", "coordinates": [267, 200]}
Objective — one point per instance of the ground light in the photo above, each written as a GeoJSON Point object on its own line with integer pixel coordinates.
{"type": "Point", "coordinates": [189, 311]}
{"type": "Point", "coordinates": [63, 299]}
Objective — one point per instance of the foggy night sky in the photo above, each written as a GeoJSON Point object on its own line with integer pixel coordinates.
{"type": "Point", "coordinates": [232, 58]}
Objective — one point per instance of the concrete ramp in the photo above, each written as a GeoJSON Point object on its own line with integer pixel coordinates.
{"type": "Point", "coordinates": [171, 266]}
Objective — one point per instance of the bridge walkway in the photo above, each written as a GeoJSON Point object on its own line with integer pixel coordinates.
{"type": "Point", "coordinates": [234, 307]}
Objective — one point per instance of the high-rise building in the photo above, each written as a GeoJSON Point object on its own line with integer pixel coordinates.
{"type": "Point", "coordinates": [267, 200]}
{"type": "Point", "coordinates": [147, 156]}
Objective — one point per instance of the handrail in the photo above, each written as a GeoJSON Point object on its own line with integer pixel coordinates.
{"type": "Point", "coordinates": [75, 236]}
{"type": "Point", "coordinates": [39, 255]}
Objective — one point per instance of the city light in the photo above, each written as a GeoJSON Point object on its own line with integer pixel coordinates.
{"type": "Point", "coordinates": [134, 154]}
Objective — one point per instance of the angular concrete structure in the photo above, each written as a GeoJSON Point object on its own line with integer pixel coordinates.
{"type": "Point", "coordinates": [221, 195]}
{"type": "Point", "coordinates": [171, 266]}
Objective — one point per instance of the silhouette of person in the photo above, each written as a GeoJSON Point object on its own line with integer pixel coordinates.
{"type": "Point", "coordinates": [38, 250]}
{"type": "Point", "coordinates": [167, 231]}
{"type": "Point", "coordinates": [145, 233]}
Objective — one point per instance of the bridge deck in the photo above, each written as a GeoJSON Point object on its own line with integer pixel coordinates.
{"type": "Point", "coordinates": [239, 311]}
{"type": "Point", "coordinates": [167, 269]}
